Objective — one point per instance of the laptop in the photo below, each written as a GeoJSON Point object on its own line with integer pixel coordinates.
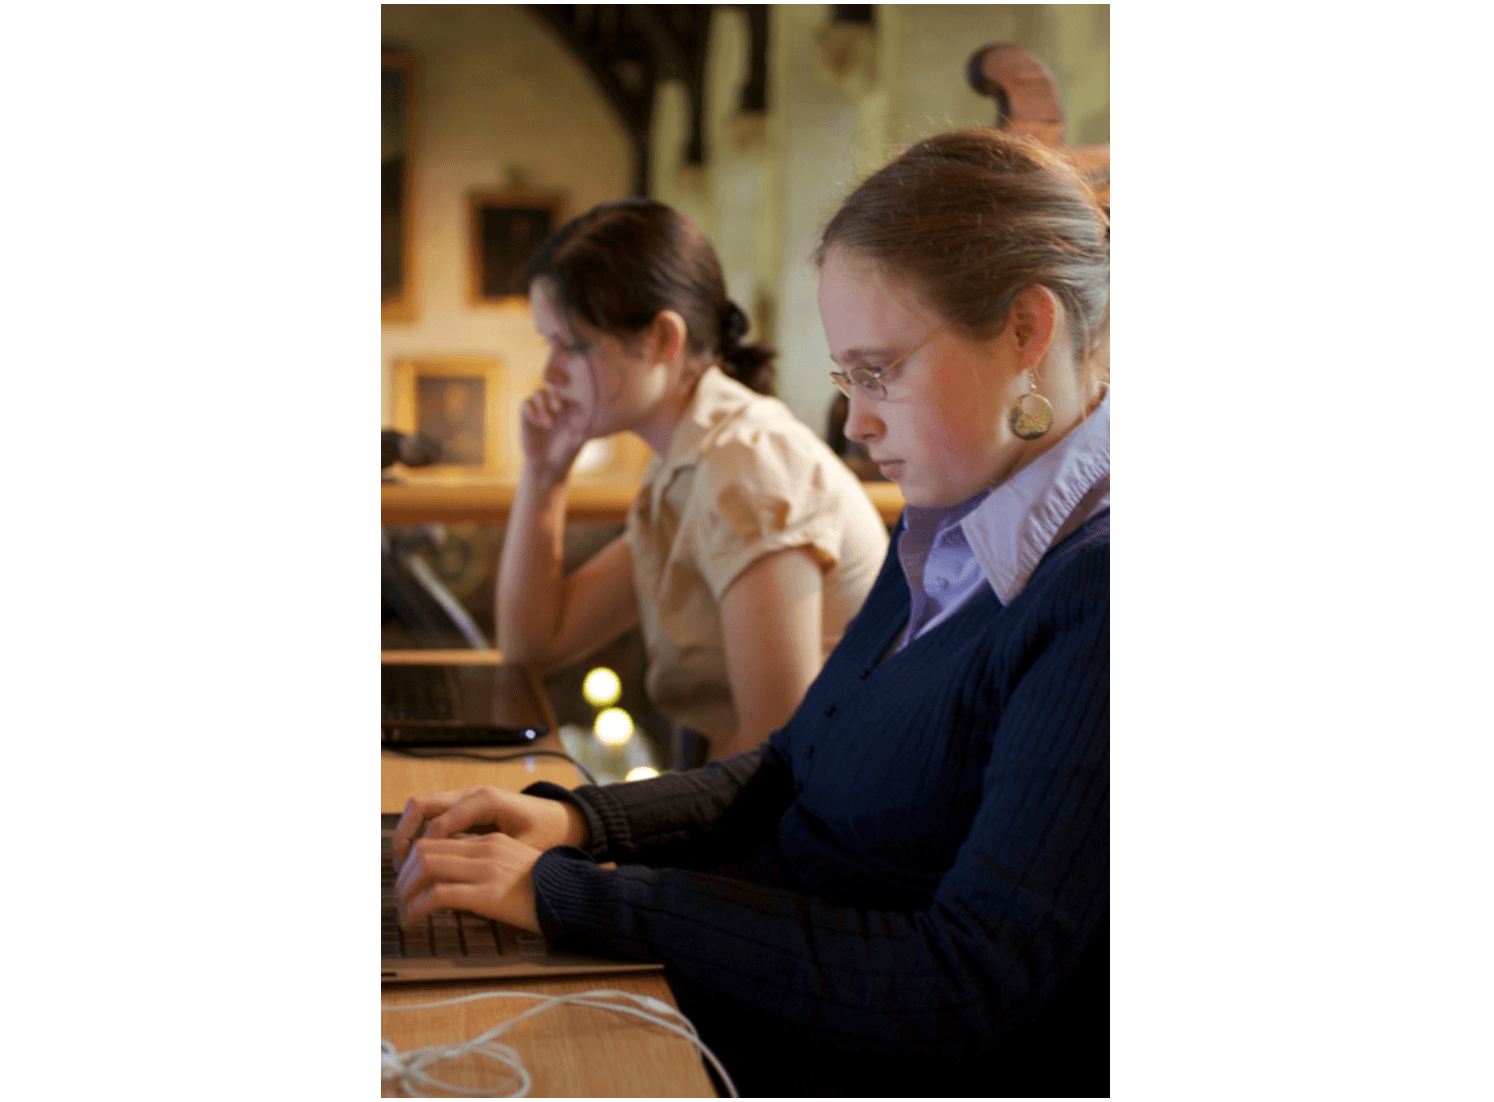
{"type": "Point", "coordinates": [433, 706]}
{"type": "Point", "coordinates": [451, 705]}
{"type": "Point", "coordinates": [458, 945]}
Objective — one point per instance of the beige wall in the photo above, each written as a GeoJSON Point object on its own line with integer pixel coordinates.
{"type": "Point", "coordinates": [496, 91]}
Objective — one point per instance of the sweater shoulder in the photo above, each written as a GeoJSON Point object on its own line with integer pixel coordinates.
{"type": "Point", "coordinates": [1080, 561]}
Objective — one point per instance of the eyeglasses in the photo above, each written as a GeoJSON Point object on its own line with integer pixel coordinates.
{"type": "Point", "coordinates": [869, 379]}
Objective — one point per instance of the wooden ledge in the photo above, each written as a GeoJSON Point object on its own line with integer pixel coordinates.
{"type": "Point", "coordinates": [441, 658]}
{"type": "Point", "coordinates": [488, 502]}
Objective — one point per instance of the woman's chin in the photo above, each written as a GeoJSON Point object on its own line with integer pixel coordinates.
{"type": "Point", "coordinates": [930, 497]}
{"type": "Point", "coordinates": [915, 495]}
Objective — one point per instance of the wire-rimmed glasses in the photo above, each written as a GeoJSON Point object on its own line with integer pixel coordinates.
{"type": "Point", "coordinates": [869, 379]}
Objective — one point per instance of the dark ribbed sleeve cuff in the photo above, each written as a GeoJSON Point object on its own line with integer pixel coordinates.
{"type": "Point", "coordinates": [556, 884]}
{"type": "Point", "coordinates": [576, 904]}
{"type": "Point", "coordinates": [612, 809]}
{"type": "Point", "coordinates": [734, 802]}
{"type": "Point", "coordinates": [596, 830]}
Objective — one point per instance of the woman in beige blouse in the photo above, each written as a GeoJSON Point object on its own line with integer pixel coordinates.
{"type": "Point", "coordinates": [750, 544]}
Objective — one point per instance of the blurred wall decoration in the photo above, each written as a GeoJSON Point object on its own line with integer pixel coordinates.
{"type": "Point", "coordinates": [455, 402]}
{"type": "Point", "coordinates": [397, 138]}
{"type": "Point", "coordinates": [507, 228]}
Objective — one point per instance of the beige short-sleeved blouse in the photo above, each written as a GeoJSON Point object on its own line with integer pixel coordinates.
{"type": "Point", "coordinates": [743, 478]}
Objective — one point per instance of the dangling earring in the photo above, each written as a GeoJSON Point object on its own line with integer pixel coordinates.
{"type": "Point", "coordinates": [1030, 415]}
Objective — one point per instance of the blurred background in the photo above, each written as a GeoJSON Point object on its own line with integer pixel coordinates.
{"type": "Point", "coordinates": [500, 122]}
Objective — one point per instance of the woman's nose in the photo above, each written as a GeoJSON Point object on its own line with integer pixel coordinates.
{"type": "Point", "coordinates": [554, 374]}
{"type": "Point", "coordinates": [861, 423]}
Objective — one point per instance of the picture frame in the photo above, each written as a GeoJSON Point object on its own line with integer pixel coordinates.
{"type": "Point", "coordinates": [397, 275]}
{"type": "Point", "coordinates": [459, 402]}
{"type": "Point", "coordinates": [505, 229]}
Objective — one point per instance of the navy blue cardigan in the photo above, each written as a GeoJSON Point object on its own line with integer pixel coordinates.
{"type": "Point", "coordinates": [901, 884]}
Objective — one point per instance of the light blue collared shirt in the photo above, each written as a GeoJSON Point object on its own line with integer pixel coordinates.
{"type": "Point", "coordinates": [997, 537]}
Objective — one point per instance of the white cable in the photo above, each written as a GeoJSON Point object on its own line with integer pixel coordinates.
{"type": "Point", "coordinates": [409, 1067]}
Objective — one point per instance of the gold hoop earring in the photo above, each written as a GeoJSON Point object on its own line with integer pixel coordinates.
{"type": "Point", "coordinates": [1031, 415]}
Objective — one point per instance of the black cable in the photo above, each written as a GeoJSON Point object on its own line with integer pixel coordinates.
{"type": "Point", "coordinates": [417, 752]}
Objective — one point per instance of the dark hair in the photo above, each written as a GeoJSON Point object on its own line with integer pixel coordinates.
{"type": "Point", "coordinates": [971, 218]}
{"type": "Point", "coordinates": [619, 264]}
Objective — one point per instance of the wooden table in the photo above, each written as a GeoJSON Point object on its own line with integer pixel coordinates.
{"type": "Point", "coordinates": [488, 502]}
{"type": "Point", "coordinates": [570, 1051]}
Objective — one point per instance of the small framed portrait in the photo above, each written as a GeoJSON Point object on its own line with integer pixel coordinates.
{"type": "Point", "coordinates": [398, 269]}
{"type": "Point", "coordinates": [507, 228]}
{"type": "Point", "coordinates": [457, 402]}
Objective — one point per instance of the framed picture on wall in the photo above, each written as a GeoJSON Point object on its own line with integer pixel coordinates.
{"type": "Point", "coordinates": [506, 228]}
{"type": "Point", "coordinates": [398, 126]}
{"type": "Point", "coordinates": [457, 402]}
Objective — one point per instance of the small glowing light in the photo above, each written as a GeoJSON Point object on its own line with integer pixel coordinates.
{"type": "Point", "coordinates": [614, 726]}
{"type": "Point", "coordinates": [601, 687]}
{"type": "Point", "coordinates": [642, 773]}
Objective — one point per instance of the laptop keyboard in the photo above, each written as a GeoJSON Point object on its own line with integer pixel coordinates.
{"type": "Point", "coordinates": [416, 692]}
{"type": "Point", "coordinates": [448, 934]}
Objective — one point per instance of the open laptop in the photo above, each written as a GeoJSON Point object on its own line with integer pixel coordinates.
{"type": "Point", "coordinates": [466, 705]}
{"type": "Point", "coordinates": [460, 705]}
{"type": "Point", "coordinates": [457, 945]}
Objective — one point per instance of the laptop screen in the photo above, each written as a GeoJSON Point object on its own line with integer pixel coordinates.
{"type": "Point", "coordinates": [498, 696]}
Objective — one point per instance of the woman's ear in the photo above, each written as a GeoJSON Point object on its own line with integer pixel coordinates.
{"type": "Point", "coordinates": [669, 333]}
{"type": "Point", "coordinates": [1036, 315]}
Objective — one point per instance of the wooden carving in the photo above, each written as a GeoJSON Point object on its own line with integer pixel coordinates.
{"type": "Point", "coordinates": [1028, 102]}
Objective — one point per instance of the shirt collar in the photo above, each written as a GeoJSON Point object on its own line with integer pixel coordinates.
{"type": "Point", "coordinates": [716, 397]}
{"type": "Point", "coordinates": [1014, 527]}
{"type": "Point", "coordinates": [940, 518]}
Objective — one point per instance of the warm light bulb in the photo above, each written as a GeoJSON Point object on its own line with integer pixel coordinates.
{"type": "Point", "coordinates": [614, 727]}
{"type": "Point", "coordinates": [601, 687]}
{"type": "Point", "coordinates": [642, 773]}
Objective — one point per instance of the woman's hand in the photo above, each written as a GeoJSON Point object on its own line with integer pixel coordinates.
{"type": "Point", "coordinates": [492, 876]}
{"type": "Point", "coordinates": [536, 822]}
{"type": "Point", "coordinates": [552, 430]}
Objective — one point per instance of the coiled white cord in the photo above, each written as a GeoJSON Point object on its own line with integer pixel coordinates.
{"type": "Point", "coordinates": [409, 1067]}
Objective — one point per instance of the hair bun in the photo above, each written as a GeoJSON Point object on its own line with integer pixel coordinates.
{"type": "Point", "coordinates": [733, 326]}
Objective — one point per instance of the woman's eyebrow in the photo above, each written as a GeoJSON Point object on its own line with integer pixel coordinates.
{"type": "Point", "coordinates": [861, 354]}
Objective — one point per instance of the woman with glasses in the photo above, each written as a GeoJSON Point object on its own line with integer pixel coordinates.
{"type": "Point", "coordinates": [749, 546]}
{"type": "Point", "coordinates": [906, 891]}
